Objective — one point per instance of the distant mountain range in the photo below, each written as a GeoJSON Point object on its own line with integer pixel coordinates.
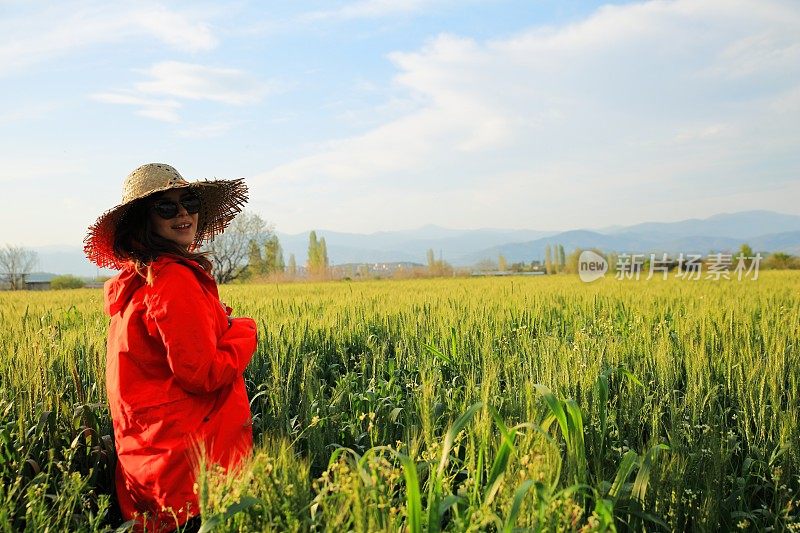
{"type": "Point", "coordinates": [638, 242]}
{"type": "Point", "coordinates": [411, 245]}
{"type": "Point", "coordinates": [764, 231]}
{"type": "Point", "coordinates": [742, 225]}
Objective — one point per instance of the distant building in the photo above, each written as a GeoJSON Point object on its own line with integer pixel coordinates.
{"type": "Point", "coordinates": [37, 285]}
{"type": "Point", "coordinates": [36, 281]}
{"type": "Point", "coordinates": [354, 270]}
{"type": "Point", "coordinates": [505, 273]}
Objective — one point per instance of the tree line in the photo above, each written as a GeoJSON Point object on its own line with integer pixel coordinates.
{"type": "Point", "coordinates": [249, 249]}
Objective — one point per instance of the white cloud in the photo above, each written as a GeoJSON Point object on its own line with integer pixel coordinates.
{"type": "Point", "coordinates": [39, 34]}
{"type": "Point", "coordinates": [369, 9]}
{"type": "Point", "coordinates": [199, 82]}
{"type": "Point", "coordinates": [177, 30]}
{"type": "Point", "coordinates": [632, 102]}
{"type": "Point", "coordinates": [172, 81]}
{"type": "Point", "coordinates": [164, 110]}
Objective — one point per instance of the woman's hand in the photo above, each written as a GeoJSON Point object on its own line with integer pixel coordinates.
{"type": "Point", "coordinates": [228, 312]}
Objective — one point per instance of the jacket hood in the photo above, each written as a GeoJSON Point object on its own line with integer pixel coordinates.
{"type": "Point", "coordinates": [119, 290]}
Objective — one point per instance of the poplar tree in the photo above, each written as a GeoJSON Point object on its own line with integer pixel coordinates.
{"type": "Point", "coordinates": [255, 263]}
{"type": "Point", "coordinates": [317, 254]}
{"type": "Point", "coordinates": [313, 252]}
{"type": "Point", "coordinates": [280, 264]}
{"type": "Point", "coordinates": [323, 254]}
{"type": "Point", "coordinates": [548, 261]}
{"type": "Point", "coordinates": [273, 255]}
{"type": "Point", "coordinates": [292, 265]}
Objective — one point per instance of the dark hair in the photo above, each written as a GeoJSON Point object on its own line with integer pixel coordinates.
{"type": "Point", "coordinates": [135, 241]}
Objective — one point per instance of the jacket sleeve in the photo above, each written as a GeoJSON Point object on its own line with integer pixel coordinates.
{"type": "Point", "coordinates": [186, 322]}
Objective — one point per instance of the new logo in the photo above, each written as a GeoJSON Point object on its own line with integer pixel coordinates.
{"type": "Point", "coordinates": [591, 266]}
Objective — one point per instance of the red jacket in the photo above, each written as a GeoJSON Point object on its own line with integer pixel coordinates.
{"type": "Point", "coordinates": [174, 380]}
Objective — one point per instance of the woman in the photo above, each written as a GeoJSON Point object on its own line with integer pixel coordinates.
{"type": "Point", "coordinates": [175, 357]}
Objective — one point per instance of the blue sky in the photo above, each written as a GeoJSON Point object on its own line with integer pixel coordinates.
{"type": "Point", "coordinates": [370, 115]}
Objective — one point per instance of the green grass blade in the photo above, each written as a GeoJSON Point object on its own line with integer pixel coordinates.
{"type": "Point", "coordinates": [413, 495]}
{"type": "Point", "coordinates": [631, 376]}
{"type": "Point", "coordinates": [447, 503]}
{"type": "Point", "coordinates": [217, 520]}
{"type": "Point", "coordinates": [437, 353]}
{"type": "Point", "coordinates": [555, 408]}
{"type": "Point", "coordinates": [435, 483]}
{"type": "Point", "coordinates": [604, 509]}
{"type": "Point", "coordinates": [643, 477]}
{"type": "Point", "coordinates": [576, 442]}
{"type": "Point", "coordinates": [516, 505]}
{"type": "Point", "coordinates": [626, 466]}
{"type": "Point", "coordinates": [452, 433]}
{"type": "Point", "coordinates": [602, 410]}
{"type": "Point", "coordinates": [501, 459]}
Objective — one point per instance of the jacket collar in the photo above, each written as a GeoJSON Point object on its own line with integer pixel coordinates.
{"type": "Point", "coordinates": [119, 289]}
{"type": "Point", "coordinates": [203, 277]}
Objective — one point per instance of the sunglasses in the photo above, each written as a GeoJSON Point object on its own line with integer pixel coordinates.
{"type": "Point", "coordinates": [167, 209]}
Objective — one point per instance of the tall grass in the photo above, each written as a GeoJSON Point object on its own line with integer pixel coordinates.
{"type": "Point", "coordinates": [460, 404]}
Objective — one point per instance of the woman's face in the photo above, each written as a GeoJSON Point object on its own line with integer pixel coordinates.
{"type": "Point", "coordinates": [183, 227]}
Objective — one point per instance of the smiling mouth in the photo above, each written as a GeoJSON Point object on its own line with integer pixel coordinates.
{"type": "Point", "coordinates": [183, 226]}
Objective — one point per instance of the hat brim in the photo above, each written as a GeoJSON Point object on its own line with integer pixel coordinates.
{"type": "Point", "coordinates": [221, 201]}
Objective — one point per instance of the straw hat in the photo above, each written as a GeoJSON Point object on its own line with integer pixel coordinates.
{"type": "Point", "coordinates": [221, 201]}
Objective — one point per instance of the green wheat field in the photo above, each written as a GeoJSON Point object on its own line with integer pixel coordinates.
{"type": "Point", "coordinates": [494, 404]}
